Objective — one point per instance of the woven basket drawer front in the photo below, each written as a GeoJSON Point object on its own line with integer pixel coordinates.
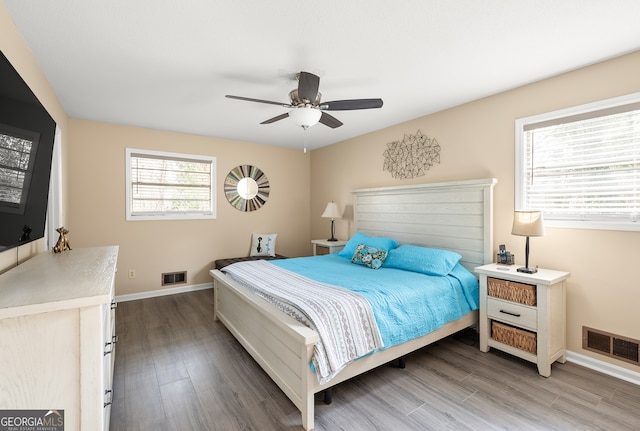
{"type": "Point", "coordinates": [518, 338]}
{"type": "Point", "coordinates": [512, 291]}
{"type": "Point", "coordinates": [512, 313]}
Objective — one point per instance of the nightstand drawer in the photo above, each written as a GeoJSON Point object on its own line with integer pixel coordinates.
{"type": "Point", "coordinates": [512, 313]}
{"type": "Point", "coordinates": [512, 291]}
{"type": "Point", "coordinates": [321, 246]}
{"type": "Point", "coordinates": [321, 250]}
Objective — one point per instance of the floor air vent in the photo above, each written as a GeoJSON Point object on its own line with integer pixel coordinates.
{"type": "Point", "coordinates": [615, 346]}
{"type": "Point", "coordinates": [169, 278]}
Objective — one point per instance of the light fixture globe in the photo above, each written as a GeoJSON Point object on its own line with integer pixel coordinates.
{"type": "Point", "coordinates": [305, 116]}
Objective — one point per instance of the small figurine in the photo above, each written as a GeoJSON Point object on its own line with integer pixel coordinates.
{"type": "Point", "coordinates": [26, 233]}
{"type": "Point", "coordinates": [63, 242]}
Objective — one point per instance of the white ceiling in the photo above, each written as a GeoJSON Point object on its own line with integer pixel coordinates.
{"type": "Point", "coordinates": [167, 64]}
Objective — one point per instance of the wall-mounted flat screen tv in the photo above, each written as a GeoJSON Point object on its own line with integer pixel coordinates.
{"type": "Point", "coordinates": [26, 147]}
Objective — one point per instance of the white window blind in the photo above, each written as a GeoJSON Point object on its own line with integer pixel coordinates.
{"type": "Point", "coordinates": [169, 185]}
{"type": "Point", "coordinates": [581, 166]}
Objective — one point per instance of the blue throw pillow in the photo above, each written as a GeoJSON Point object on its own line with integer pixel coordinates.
{"type": "Point", "coordinates": [430, 261]}
{"type": "Point", "coordinates": [369, 256]}
{"type": "Point", "coordinates": [358, 238]}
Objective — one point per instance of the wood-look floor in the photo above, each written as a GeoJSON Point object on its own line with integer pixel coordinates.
{"type": "Point", "coordinates": [178, 369]}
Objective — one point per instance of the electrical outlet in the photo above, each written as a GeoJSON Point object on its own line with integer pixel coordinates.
{"type": "Point", "coordinates": [132, 273]}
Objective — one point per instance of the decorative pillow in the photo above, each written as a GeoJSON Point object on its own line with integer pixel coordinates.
{"type": "Point", "coordinates": [263, 244]}
{"type": "Point", "coordinates": [430, 261]}
{"type": "Point", "coordinates": [381, 243]}
{"type": "Point", "coordinates": [369, 256]}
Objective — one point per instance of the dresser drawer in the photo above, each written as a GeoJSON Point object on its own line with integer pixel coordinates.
{"type": "Point", "coordinates": [512, 313]}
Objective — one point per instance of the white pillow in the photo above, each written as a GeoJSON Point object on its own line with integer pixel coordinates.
{"type": "Point", "coordinates": [263, 244]}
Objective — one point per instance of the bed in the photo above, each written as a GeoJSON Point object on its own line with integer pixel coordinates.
{"type": "Point", "coordinates": [455, 216]}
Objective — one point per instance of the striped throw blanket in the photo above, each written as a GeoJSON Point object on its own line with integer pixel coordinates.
{"type": "Point", "coordinates": [343, 319]}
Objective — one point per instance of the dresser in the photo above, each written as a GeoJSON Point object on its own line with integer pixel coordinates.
{"type": "Point", "coordinates": [57, 341]}
{"type": "Point", "coordinates": [524, 314]}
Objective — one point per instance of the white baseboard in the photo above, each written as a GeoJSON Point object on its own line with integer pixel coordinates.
{"type": "Point", "coordinates": [163, 292]}
{"type": "Point", "coordinates": [604, 367]}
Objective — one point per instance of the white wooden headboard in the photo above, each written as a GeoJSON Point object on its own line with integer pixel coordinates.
{"type": "Point", "coordinates": [456, 216]}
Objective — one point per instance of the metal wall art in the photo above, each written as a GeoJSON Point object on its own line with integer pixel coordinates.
{"type": "Point", "coordinates": [412, 156]}
{"type": "Point", "coordinates": [246, 188]}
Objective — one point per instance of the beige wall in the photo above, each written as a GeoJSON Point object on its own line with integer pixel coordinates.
{"type": "Point", "coordinates": [96, 175]}
{"type": "Point", "coordinates": [477, 141]}
{"type": "Point", "coordinates": [17, 52]}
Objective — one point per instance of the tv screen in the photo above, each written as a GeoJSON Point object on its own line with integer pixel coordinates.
{"type": "Point", "coordinates": [26, 149]}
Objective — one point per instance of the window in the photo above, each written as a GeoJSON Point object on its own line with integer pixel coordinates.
{"type": "Point", "coordinates": [581, 166]}
{"type": "Point", "coordinates": [18, 150]}
{"type": "Point", "coordinates": [169, 186]}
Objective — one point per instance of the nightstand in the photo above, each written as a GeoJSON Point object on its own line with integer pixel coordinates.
{"type": "Point", "coordinates": [524, 314]}
{"type": "Point", "coordinates": [322, 246]}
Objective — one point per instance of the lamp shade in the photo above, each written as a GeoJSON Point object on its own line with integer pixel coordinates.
{"type": "Point", "coordinates": [528, 223]}
{"type": "Point", "coordinates": [332, 211]}
{"type": "Point", "coordinates": [305, 117]}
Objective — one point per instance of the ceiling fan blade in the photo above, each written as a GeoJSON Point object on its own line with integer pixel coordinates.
{"type": "Point", "coordinates": [348, 105]}
{"type": "Point", "coordinates": [330, 121]}
{"type": "Point", "coordinates": [249, 99]}
{"type": "Point", "coordinates": [274, 119]}
{"type": "Point", "coordinates": [308, 85]}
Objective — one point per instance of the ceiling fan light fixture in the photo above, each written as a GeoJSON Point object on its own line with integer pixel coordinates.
{"type": "Point", "coordinates": [306, 109]}
{"type": "Point", "coordinates": [305, 116]}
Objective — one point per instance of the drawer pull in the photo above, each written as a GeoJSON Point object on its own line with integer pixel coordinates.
{"type": "Point", "coordinates": [108, 348]}
{"type": "Point", "coordinates": [510, 313]}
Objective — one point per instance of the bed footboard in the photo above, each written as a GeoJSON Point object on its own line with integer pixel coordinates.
{"type": "Point", "coordinates": [282, 346]}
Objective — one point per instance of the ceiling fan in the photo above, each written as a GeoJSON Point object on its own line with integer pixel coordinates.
{"type": "Point", "coordinates": [308, 109]}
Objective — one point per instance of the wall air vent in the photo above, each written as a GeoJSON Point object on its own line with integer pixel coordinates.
{"type": "Point", "coordinates": [615, 346]}
{"type": "Point", "coordinates": [169, 278]}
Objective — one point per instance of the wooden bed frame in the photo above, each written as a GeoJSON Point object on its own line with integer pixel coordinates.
{"type": "Point", "coordinates": [456, 216]}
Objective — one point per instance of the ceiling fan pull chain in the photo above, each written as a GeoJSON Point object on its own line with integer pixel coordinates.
{"type": "Point", "coordinates": [306, 138]}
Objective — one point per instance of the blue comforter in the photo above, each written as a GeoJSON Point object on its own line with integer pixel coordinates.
{"type": "Point", "coordinates": [406, 304]}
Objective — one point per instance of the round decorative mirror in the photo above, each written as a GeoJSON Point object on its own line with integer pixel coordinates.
{"type": "Point", "coordinates": [246, 188]}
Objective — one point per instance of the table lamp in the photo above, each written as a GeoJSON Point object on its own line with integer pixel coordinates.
{"type": "Point", "coordinates": [333, 212]}
{"type": "Point", "coordinates": [527, 223]}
